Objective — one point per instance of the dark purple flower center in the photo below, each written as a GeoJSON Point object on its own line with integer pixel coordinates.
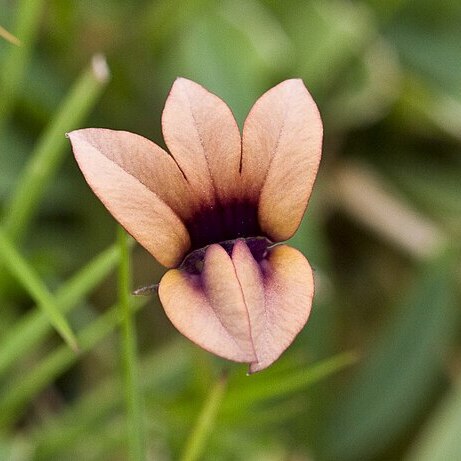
{"type": "Point", "coordinates": [224, 224]}
{"type": "Point", "coordinates": [193, 262]}
{"type": "Point", "coordinates": [221, 222]}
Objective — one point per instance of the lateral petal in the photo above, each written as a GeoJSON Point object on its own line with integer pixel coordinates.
{"type": "Point", "coordinates": [203, 137]}
{"type": "Point", "coordinates": [209, 308]}
{"type": "Point", "coordinates": [281, 144]}
{"type": "Point", "coordinates": [144, 160]}
{"type": "Point", "coordinates": [278, 293]}
{"type": "Point", "coordinates": [130, 175]}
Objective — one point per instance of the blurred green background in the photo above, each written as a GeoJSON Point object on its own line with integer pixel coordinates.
{"type": "Point", "coordinates": [375, 375]}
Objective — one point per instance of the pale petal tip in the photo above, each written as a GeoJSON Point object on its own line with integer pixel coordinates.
{"type": "Point", "coordinates": [180, 79]}
{"type": "Point", "coordinates": [76, 137]}
{"type": "Point", "coordinates": [293, 81]}
{"type": "Point", "coordinates": [100, 68]}
{"type": "Point", "coordinates": [255, 367]}
{"type": "Point", "coordinates": [71, 135]}
{"type": "Point", "coordinates": [185, 83]}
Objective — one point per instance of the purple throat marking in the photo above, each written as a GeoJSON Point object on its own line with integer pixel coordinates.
{"type": "Point", "coordinates": [193, 262]}
{"type": "Point", "coordinates": [224, 224]}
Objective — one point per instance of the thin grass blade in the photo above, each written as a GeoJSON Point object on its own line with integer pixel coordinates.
{"type": "Point", "coordinates": [17, 396]}
{"type": "Point", "coordinates": [34, 326]}
{"type": "Point", "coordinates": [50, 148]}
{"type": "Point", "coordinates": [27, 277]}
{"type": "Point", "coordinates": [264, 387]}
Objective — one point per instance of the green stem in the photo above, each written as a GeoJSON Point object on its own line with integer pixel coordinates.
{"type": "Point", "coordinates": [133, 397]}
{"type": "Point", "coordinates": [203, 427]}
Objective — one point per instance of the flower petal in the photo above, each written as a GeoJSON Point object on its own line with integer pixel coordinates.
{"type": "Point", "coordinates": [238, 308]}
{"type": "Point", "coordinates": [278, 294]}
{"type": "Point", "coordinates": [282, 140]}
{"type": "Point", "coordinates": [209, 308]}
{"type": "Point", "coordinates": [203, 137]}
{"type": "Point", "coordinates": [139, 184]}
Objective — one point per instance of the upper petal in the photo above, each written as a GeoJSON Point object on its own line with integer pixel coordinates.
{"type": "Point", "coordinates": [139, 184]}
{"type": "Point", "coordinates": [203, 137]}
{"type": "Point", "coordinates": [282, 140]}
{"type": "Point", "coordinates": [209, 308]}
{"type": "Point", "coordinates": [278, 293]}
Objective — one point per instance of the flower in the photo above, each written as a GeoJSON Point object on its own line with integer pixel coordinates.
{"type": "Point", "coordinates": [215, 210]}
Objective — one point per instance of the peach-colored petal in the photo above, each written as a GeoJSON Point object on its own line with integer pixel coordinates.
{"type": "Point", "coordinates": [203, 137]}
{"type": "Point", "coordinates": [147, 162]}
{"type": "Point", "coordinates": [209, 308]}
{"type": "Point", "coordinates": [238, 308]}
{"type": "Point", "coordinates": [278, 294]}
{"type": "Point", "coordinates": [130, 176]}
{"type": "Point", "coordinates": [282, 139]}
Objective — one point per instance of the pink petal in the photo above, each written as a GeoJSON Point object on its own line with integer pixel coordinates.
{"type": "Point", "coordinates": [278, 294]}
{"type": "Point", "coordinates": [282, 140]}
{"type": "Point", "coordinates": [202, 135]}
{"type": "Point", "coordinates": [209, 308]}
{"type": "Point", "coordinates": [139, 184]}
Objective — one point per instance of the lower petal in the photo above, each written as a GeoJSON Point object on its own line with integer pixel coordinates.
{"type": "Point", "coordinates": [208, 308]}
{"type": "Point", "coordinates": [278, 293]}
{"type": "Point", "coordinates": [240, 308]}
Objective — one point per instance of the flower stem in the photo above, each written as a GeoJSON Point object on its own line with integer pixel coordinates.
{"type": "Point", "coordinates": [133, 397]}
{"type": "Point", "coordinates": [204, 425]}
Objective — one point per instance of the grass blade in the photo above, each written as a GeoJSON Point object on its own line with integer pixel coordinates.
{"type": "Point", "coordinates": [25, 274]}
{"type": "Point", "coordinates": [406, 357]}
{"type": "Point", "coordinates": [67, 429]}
{"type": "Point", "coordinates": [17, 396]}
{"type": "Point", "coordinates": [267, 386]}
{"type": "Point", "coordinates": [49, 151]}
{"type": "Point", "coordinates": [440, 440]}
{"type": "Point", "coordinates": [34, 326]}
